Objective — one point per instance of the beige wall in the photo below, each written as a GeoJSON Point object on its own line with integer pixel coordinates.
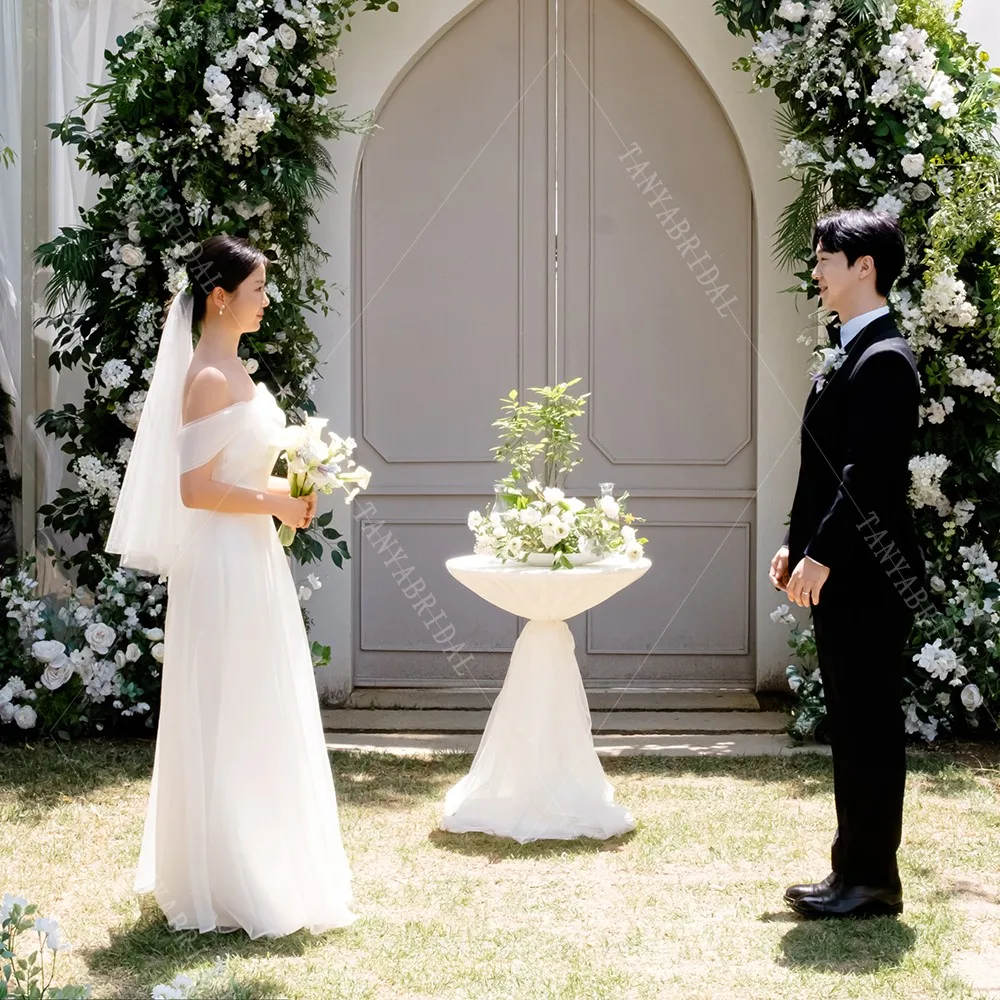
{"type": "Point", "coordinates": [376, 53]}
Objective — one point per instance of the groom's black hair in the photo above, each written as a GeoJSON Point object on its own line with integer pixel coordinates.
{"type": "Point", "coordinates": [221, 261]}
{"type": "Point", "coordinates": [860, 232]}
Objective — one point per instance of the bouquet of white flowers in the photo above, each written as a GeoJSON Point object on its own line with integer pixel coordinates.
{"type": "Point", "coordinates": [319, 465]}
{"type": "Point", "coordinates": [543, 523]}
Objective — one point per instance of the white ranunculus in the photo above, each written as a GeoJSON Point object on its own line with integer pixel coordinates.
{"type": "Point", "coordinates": [610, 508]}
{"type": "Point", "coordinates": [132, 256]}
{"type": "Point", "coordinates": [25, 716]}
{"type": "Point", "coordinates": [552, 494]}
{"type": "Point", "coordinates": [100, 637]}
{"type": "Point", "coordinates": [633, 551]}
{"type": "Point", "coordinates": [286, 35]}
{"type": "Point", "coordinates": [515, 546]}
{"type": "Point", "coordinates": [971, 697]}
{"type": "Point", "coordinates": [47, 651]}
{"type": "Point", "coordinates": [913, 164]}
{"type": "Point", "coordinates": [132, 652]}
{"type": "Point", "coordinates": [251, 365]}
{"type": "Point", "coordinates": [157, 652]}
{"type": "Point", "coordinates": [57, 672]}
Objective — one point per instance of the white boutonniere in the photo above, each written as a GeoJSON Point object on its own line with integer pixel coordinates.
{"type": "Point", "coordinates": [827, 362]}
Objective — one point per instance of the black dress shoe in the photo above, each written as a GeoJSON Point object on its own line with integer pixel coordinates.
{"type": "Point", "coordinates": [858, 901]}
{"type": "Point", "coordinates": [794, 892]}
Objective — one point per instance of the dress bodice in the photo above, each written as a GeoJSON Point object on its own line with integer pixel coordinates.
{"type": "Point", "coordinates": [246, 436]}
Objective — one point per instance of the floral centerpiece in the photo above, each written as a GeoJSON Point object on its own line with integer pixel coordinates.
{"type": "Point", "coordinates": [319, 465]}
{"type": "Point", "coordinates": [532, 520]}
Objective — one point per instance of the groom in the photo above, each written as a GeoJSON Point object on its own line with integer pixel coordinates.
{"type": "Point", "coordinates": [852, 556]}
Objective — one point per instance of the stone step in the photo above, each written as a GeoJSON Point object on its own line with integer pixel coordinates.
{"type": "Point", "coordinates": [624, 699]}
{"type": "Point", "coordinates": [360, 720]}
{"type": "Point", "coordinates": [653, 745]}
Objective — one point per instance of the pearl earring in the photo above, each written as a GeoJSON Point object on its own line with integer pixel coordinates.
{"type": "Point", "coordinates": [220, 310]}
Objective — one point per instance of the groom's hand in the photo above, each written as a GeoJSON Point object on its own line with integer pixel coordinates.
{"type": "Point", "coordinates": [779, 569]}
{"type": "Point", "coordinates": [807, 582]}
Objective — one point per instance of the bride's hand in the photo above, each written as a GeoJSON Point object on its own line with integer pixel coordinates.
{"type": "Point", "coordinates": [296, 512]}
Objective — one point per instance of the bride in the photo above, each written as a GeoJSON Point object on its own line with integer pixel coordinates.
{"type": "Point", "coordinates": [241, 828]}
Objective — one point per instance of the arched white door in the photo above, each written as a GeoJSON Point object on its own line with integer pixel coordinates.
{"type": "Point", "coordinates": [505, 238]}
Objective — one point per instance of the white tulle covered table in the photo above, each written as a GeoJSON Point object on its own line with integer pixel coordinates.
{"type": "Point", "coordinates": [536, 775]}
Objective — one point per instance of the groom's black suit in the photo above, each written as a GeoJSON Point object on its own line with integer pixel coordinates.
{"type": "Point", "coordinates": [851, 513]}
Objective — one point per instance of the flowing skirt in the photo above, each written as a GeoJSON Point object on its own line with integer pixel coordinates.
{"type": "Point", "coordinates": [242, 828]}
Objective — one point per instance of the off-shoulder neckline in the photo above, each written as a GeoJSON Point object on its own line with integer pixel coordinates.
{"type": "Point", "coordinates": [239, 402]}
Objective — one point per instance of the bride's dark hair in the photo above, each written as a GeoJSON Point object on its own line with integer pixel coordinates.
{"type": "Point", "coordinates": [221, 261]}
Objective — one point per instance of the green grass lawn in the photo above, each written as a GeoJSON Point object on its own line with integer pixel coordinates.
{"type": "Point", "coordinates": [688, 906]}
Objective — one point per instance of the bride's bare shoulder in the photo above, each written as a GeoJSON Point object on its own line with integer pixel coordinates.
{"type": "Point", "coordinates": [207, 392]}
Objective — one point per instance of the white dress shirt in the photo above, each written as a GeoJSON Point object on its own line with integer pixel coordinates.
{"type": "Point", "coordinates": [853, 327]}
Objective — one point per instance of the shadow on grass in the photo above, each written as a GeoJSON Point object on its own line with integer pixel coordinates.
{"type": "Point", "coordinates": [505, 848]}
{"type": "Point", "coordinates": [41, 776]}
{"type": "Point", "coordinates": [847, 946]}
{"type": "Point", "coordinates": [148, 953]}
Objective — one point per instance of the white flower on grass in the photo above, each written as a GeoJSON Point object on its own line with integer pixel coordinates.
{"type": "Point", "coordinates": [8, 904]}
{"type": "Point", "coordinates": [913, 164]}
{"type": "Point", "coordinates": [116, 373]}
{"type": "Point", "coordinates": [100, 637]}
{"type": "Point", "coordinates": [57, 672]}
{"type": "Point", "coordinates": [914, 724]}
{"type": "Point", "coordinates": [47, 650]}
{"type": "Point", "coordinates": [971, 697]}
{"type": "Point", "coordinates": [285, 34]}
{"type": "Point", "coordinates": [25, 717]}
{"type": "Point", "coordinates": [53, 936]}
{"type": "Point", "coordinates": [124, 151]}
{"type": "Point", "coordinates": [610, 508]}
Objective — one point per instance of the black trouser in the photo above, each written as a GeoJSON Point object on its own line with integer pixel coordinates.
{"type": "Point", "coordinates": [860, 644]}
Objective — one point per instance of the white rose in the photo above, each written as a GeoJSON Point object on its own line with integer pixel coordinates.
{"type": "Point", "coordinates": [100, 637]}
{"type": "Point", "coordinates": [157, 652]}
{"type": "Point", "coordinates": [286, 35]}
{"type": "Point", "coordinates": [251, 365]}
{"type": "Point", "coordinates": [125, 152]}
{"type": "Point", "coordinates": [132, 256]}
{"type": "Point", "coordinates": [25, 716]}
{"type": "Point", "coordinates": [153, 634]}
{"type": "Point", "coordinates": [922, 191]}
{"type": "Point", "coordinates": [913, 164]}
{"type": "Point", "coordinates": [6, 694]}
{"type": "Point", "coordinates": [269, 77]}
{"type": "Point", "coordinates": [610, 508]}
{"type": "Point", "coordinates": [57, 672]}
{"type": "Point", "coordinates": [552, 494]}
{"type": "Point", "coordinates": [971, 698]}
{"type": "Point", "coordinates": [120, 660]}
{"type": "Point", "coordinates": [47, 651]}
{"type": "Point", "coordinates": [132, 652]}
{"type": "Point", "coordinates": [7, 711]}
{"type": "Point", "coordinates": [530, 516]}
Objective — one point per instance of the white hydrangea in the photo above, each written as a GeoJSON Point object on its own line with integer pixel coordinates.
{"type": "Point", "coordinates": [914, 724]}
{"type": "Point", "coordinates": [945, 302]}
{"type": "Point", "coordinates": [792, 10]}
{"type": "Point", "coordinates": [257, 117]}
{"type": "Point", "coordinates": [979, 562]}
{"type": "Point", "coordinates": [940, 661]}
{"type": "Point", "coordinates": [925, 487]}
{"type": "Point", "coordinates": [131, 411]}
{"type": "Point", "coordinates": [860, 157]}
{"type": "Point", "coordinates": [770, 46]}
{"type": "Point", "coordinates": [962, 512]}
{"type": "Point", "coordinates": [890, 204]}
{"type": "Point", "coordinates": [219, 89]}
{"type": "Point", "coordinates": [101, 483]}
{"type": "Point", "coordinates": [104, 681]}
{"type": "Point", "coordinates": [116, 373]}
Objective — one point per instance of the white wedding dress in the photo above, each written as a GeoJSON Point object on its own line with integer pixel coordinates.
{"type": "Point", "coordinates": [242, 828]}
